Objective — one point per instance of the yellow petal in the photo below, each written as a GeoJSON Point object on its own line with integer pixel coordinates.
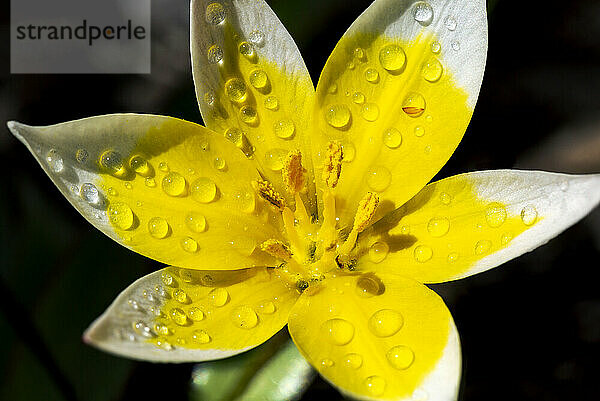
{"type": "Point", "coordinates": [472, 222]}
{"type": "Point", "coordinates": [397, 103]}
{"type": "Point", "coordinates": [166, 188]}
{"type": "Point", "coordinates": [252, 85]}
{"type": "Point", "coordinates": [379, 337]}
{"type": "Point", "coordinates": [179, 315]}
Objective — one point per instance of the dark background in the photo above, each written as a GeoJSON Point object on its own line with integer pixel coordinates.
{"type": "Point", "coordinates": [529, 330]}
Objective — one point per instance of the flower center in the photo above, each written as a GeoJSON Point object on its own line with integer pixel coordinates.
{"type": "Point", "coordinates": [314, 250]}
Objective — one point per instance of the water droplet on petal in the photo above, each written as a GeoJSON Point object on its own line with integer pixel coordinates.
{"type": "Point", "coordinates": [81, 155]}
{"type": "Point", "coordinates": [506, 238]}
{"type": "Point", "coordinates": [180, 296]}
{"type": "Point", "coordinates": [166, 278]}
{"type": "Point", "coordinates": [274, 159]}
{"type": "Point", "coordinates": [266, 307]}
{"type": "Point", "coordinates": [375, 385]}
{"type": "Point", "coordinates": [455, 45]}
{"type": "Point", "coordinates": [378, 178]}
{"type": "Point", "coordinates": [392, 138]}
{"type": "Point", "coordinates": [54, 160]}
{"type": "Point", "coordinates": [482, 247]}
{"type": "Point", "coordinates": [392, 58]}
{"type": "Point", "coordinates": [337, 115]}
{"type": "Point", "coordinates": [385, 322]}
{"type": "Point", "coordinates": [150, 182]}
{"type": "Point", "coordinates": [139, 165]}
{"type": "Point", "coordinates": [349, 152]}
{"type": "Point", "coordinates": [218, 296]}
{"type": "Point", "coordinates": [258, 79]}
{"type": "Point", "coordinates": [338, 331]}
{"type": "Point", "coordinates": [112, 161]}
{"type": "Point", "coordinates": [189, 244]}
{"type": "Point", "coordinates": [215, 13]}
{"type": "Point", "coordinates": [164, 167]}
{"type": "Point", "coordinates": [423, 13]}
{"type": "Point", "coordinates": [452, 257]}
{"type": "Point", "coordinates": [219, 163]}
{"type": "Point", "coordinates": [413, 104]}
{"type": "Point", "coordinates": [246, 49]}
{"type": "Point", "coordinates": [378, 251]}
{"type": "Point", "coordinates": [248, 114]}
{"type": "Point", "coordinates": [359, 53]}
{"type": "Point", "coordinates": [432, 69]}
{"type": "Point", "coordinates": [200, 337]}
{"type": "Point", "coordinates": [209, 98]}
{"type": "Point", "coordinates": [89, 193]}
{"type": "Point", "coordinates": [284, 128]}
{"type": "Point", "coordinates": [529, 215]}
{"type": "Point", "coordinates": [235, 89]}
{"type": "Point", "coordinates": [158, 227]}
{"type": "Point", "coordinates": [271, 103]}
{"type": "Point", "coordinates": [371, 75]}
{"type": "Point", "coordinates": [179, 316]}
{"type": "Point", "coordinates": [244, 201]}
{"type": "Point", "coordinates": [438, 226]}
{"type": "Point", "coordinates": [235, 135]}
{"type": "Point", "coordinates": [244, 317]}
{"type": "Point", "coordinates": [564, 186]}
{"type": "Point", "coordinates": [423, 253]}
{"type": "Point", "coordinates": [450, 22]}
{"type": "Point", "coordinates": [196, 314]}
{"type": "Point", "coordinates": [257, 38]}
{"type": "Point", "coordinates": [121, 215]}
{"type": "Point", "coordinates": [495, 214]}
{"type": "Point", "coordinates": [214, 54]}
{"type": "Point", "coordinates": [174, 184]}
{"type": "Point", "coordinates": [445, 198]}
{"type": "Point", "coordinates": [436, 47]}
{"type": "Point", "coordinates": [358, 97]}
{"type": "Point", "coordinates": [369, 111]}
{"type": "Point", "coordinates": [400, 357]}
{"type": "Point", "coordinates": [203, 190]}
{"type": "Point", "coordinates": [353, 361]}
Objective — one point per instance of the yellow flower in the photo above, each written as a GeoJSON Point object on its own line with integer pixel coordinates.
{"type": "Point", "coordinates": [309, 207]}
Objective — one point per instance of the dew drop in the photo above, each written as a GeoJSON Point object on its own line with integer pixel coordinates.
{"type": "Point", "coordinates": [452, 257]}
{"type": "Point", "coordinates": [164, 167]}
{"type": "Point", "coordinates": [482, 247]}
{"type": "Point", "coordinates": [495, 214]}
{"type": "Point", "coordinates": [139, 165]}
{"type": "Point", "coordinates": [274, 159]}
{"type": "Point", "coordinates": [196, 314]}
{"type": "Point", "coordinates": [248, 114]}
{"type": "Point", "coordinates": [371, 75]}
{"type": "Point", "coordinates": [438, 226]}
{"type": "Point", "coordinates": [423, 253]}
{"type": "Point", "coordinates": [200, 337]}
{"type": "Point", "coordinates": [385, 322]}
{"type": "Point", "coordinates": [450, 22]}
{"type": "Point", "coordinates": [215, 13]}
{"type": "Point", "coordinates": [368, 285]}
{"type": "Point", "coordinates": [218, 296]}
{"type": "Point", "coordinates": [203, 190]}
{"type": "Point", "coordinates": [81, 156]}
{"type": "Point", "coordinates": [179, 316]}
{"type": "Point", "coordinates": [258, 78]}
{"type": "Point", "coordinates": [400, 357]}
{"type": "Point", "coordinates": [353, 361]}
{"type": "Point", "coordinates": [128, 185]}
{"type": "Point", "coordinates": [436, 47]}
{"type": "Point", "coordinates": [244, 201]}
{"type": "Point", "coordinates": [235, 89]}
{"type": "Point", "coordinates": [445, 198]}
{"type": "Point", "coordinates": [267, 307]}
{"type": "Point", "coordinates": [180, 296]}
{"type": "Point", "coordinates": [358, 97]}
{"type": "Point", "coordinates": [375, 385]}
{"type": "Point", "coordinates": [209, 98]}
{"type": "Point", "coordinates": [378, 251]}
{"type": "Point", "coordinates": [150, 182]}
{"type": "Point", "coordinates": [89, 193]}
{"type": "Point", "coordinates": [158, 227]}
{"type": "Point", "coordinates": [369, 111]}
{"type": "Point", "coordinates": [337, 115]}
{"type": "Point", "coordinates": [284, 128]}
{"type": "Point", "coordinates": [529, 215]}
{"type": "Point", "coordinates": [166, 278]}
{"type": "Point", "coordinates": [506, 238]}
{"type": "Point", "coordinates": [112, 161]}
{"type": "Point", "coordinates": [246, 49]}
{"type": "Point", "coordinates": [173, 184]}
{"type": "Point", "coordinates": [214, 54]}
{"type": "Point", "coordinates": [455, 45]}
{"type": "Point", "coordinates": [413, 104]}
{"type": "Point", "coordinates": [423, 13]}
{"type": "Point", "coordinates": [189, 244]}
{"type": "Point", "coordinates": [349, 152]}
{"type": "Point", "coordinates": [257, 38]}
{"type": "Point", "coordinates": [338, 331]}
{"type": "Point", "coordinates": [392, 58]}
{"type": "Point", "coordinates": [378, 178]}
{"type": "Point", "coordinates": [432, 70]}
{"type": "Point", "coordinates": [143, 329]}
{"type": "Point", "coordinates": [54, 160]}
{"type": "Point", "coordinates": [121, 215]}
{"type": "Point", "coordinates": [244, 317]}
{"type": "Point", "coordinates": [271, 102]}
{"type": "Point", "coordinates": [327, 363]}
{"type": "Point", "coordinates": [236, 136]}
{"type": "Point", "coordinates": [392, 138]}
{"type": "Point", "coordinates": [220, 163]}
{"type": "Point", "coordinates": [564, 186]}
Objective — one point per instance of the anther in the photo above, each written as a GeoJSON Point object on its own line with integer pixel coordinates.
{"type": "Point", "coordinates": [366, 210]}
{"type": "Point", "coordinates": [266, 191]}
{"type": "Point", "coordinates": [332, 167]}
{"type": "Point", "coordinates": [294, 175]}
{"type": "Point", "coordinates": [276, 249]}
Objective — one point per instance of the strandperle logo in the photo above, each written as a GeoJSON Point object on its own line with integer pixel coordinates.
{"type": "Point", "coordinates": [80, 36]}
{"type": "Point", "coordinates": [85, 31]}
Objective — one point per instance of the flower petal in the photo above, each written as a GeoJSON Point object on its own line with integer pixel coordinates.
{"type": "Point", "coordinates": [398, 92]}
{"type": "Point", "coordinates": [180, 315]}
{"type": "Point", "coordinates": [166, 188]}
{"type": "Point", "coordinates": [251, 83]}
{"type": "Point", "coordinates": [469, 223]}
{"type": "Point", "coordinates": [379, 337]}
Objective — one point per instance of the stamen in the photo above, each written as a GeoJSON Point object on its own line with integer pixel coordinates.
{"type": "Point", "coordinates": [292, 234]}
{"type": "Point", "coordinates": [294, 175]}
{"type": "Point", "coordinates": [267, 192]}
{"type": "Point", "coordinates": [366, 210]}
{"type": "Point", "coordinates": [332, 167]}
{"type": "Point", "coordinates": [327, 232]}
{"type": "Point", "coordinates": [276, 249]}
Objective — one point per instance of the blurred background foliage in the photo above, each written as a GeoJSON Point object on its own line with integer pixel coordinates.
{"type": "Point", "coordinates": [530, 330]}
